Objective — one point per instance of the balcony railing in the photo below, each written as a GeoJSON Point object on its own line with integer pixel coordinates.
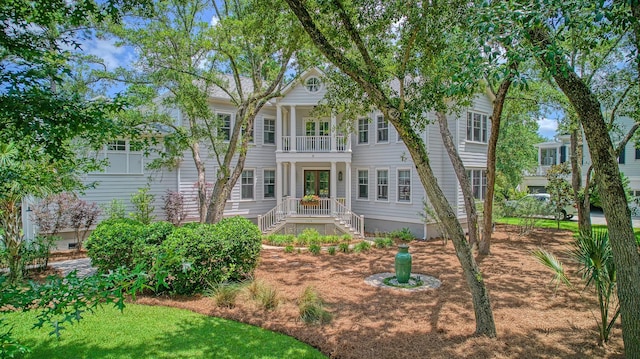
{"type": "Point", "coordinates": [314, 143]}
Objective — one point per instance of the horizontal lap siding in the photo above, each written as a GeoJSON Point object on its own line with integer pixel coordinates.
{"type": "Point", "coordinates": [390, 156]}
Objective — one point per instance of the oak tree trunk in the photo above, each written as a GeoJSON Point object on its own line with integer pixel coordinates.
{"type": "Point", "coordinates": [463, 179]}
{"type": "Point", "coordinates": [616, 210]}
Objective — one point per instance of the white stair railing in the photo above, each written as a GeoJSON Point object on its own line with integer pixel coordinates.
{"type": "Point", "coordinates": [325, 207]}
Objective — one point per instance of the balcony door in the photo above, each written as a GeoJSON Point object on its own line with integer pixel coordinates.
{"type": "Point", "coordinates": [316, 182]}
{"type": "Point", "coordinates": [317, 134]}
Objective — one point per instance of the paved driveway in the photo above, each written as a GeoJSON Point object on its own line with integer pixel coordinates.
{"type": "Point", "coordinates": [597, 217]}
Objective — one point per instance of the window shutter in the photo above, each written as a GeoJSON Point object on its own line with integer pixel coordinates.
{"type": "Point", "coordinates": [563, 154]}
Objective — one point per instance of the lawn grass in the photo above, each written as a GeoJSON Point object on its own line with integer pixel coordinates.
{"type": "Point", "coordinates": [156, 332]}
{"type": "Point", "coordinates": [551, 223]}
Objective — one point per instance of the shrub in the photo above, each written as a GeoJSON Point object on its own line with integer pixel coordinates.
{"type": "Point", "coordinates": [311, 307]}
{"type": "Point", "coordinates": [363, 246]}
{"type": "Point", "coordinates": [280, 239]}
{"type": "Point", "coordinates": [314, 249]}
{"type": "Point", "coordinates": [403, 234]}
{"type": "Point", "coordinates": [309, 236]}
{"type": "Point", "coordinates": [332, 250]}
{"type": "Point", "coordinates": [383, 242]}
{"type": "Point", "coordinates": [111, 244]}
{"type": "Point", "coordinates": [289, 249]}
{"type": "Point", "coordinates": [197, 255]}
{"type": "Point", "coordinates": [344, 247]}
{"type": "Point", "coordinates": [143, 205]}
{"type": "Point", "coordinates": [114, 210]}
{"type": "Point", "coordinates": [174, 207]}
{"type": "Point", "coordinates": [36, 252]}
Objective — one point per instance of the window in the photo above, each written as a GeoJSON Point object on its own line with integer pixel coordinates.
{"type": "Point", "coordinates": [225, 126]}
{"type": "Point", "coordinates": [124, 157]}
{"type": "Point", "coordinates": [363, 184]}
{"type": "Point", "coordinates": [312, 84]}
{"type": "Point", "coordinates": [269, 184]}
{"type": "Point", "coordinates": [548, 156]}
{"type": "Point", "coordinates": [383, 129]}
{"type": "Point", "coordinates": [478, 180]}
{"type": "Point", "coordinates": [383, 185]}
{"type": "Point", "coordinates": [246, 190]}
{"type": "Point", "coordinates": [476, 127]}
{"type": "Point", "coordinates": [637, 153]}
{"type": "Point", "coordinates": [363, 130]}
{"type": "Point", "coordinates": [269, 129]}
{"type": "Point", "coordinates": [404, 185]}
{"type": "Point", "coordinates": [622, 156]}
{"type": "Point", "coordinates": [119, 145]}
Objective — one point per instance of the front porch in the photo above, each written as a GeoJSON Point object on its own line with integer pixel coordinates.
{"type": "Point", "coordinates": [328, 211]}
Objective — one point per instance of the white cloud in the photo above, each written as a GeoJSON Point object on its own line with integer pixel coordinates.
{"type": "Point", "coordinates": [547, 127]}
{"type": "Point", "coordinates": [112, 55]}
{"type": "Point", "coordinates": [214, 21]}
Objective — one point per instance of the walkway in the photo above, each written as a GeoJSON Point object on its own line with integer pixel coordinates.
{"type": "Point", "coordinates": [82, 265]}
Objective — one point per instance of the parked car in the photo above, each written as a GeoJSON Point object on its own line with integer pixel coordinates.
{"type": "Point", "coordinates": [538, 204]}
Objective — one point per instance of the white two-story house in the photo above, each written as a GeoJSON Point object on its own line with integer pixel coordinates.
{"type": "Point", "coordinates": [366, 180]}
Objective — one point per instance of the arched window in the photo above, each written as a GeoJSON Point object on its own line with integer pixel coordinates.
{"type": "Point", "coordinates": [312, 84]}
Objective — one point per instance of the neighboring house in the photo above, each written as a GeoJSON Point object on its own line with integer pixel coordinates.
{"type": "Point", "coordinates": [549, 154]}
{"type": "Point", "coordinates": [366, 180]}
{"type": "Point", "coordinates": [558, 151]}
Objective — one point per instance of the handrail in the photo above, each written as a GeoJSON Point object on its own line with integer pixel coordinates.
{"type": "Point", "coordinates": [313, 143]}
{"type": "Point", "coordinates": [322, 207]}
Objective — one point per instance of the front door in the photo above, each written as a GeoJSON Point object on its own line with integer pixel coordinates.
{"type": "Point", "coordinates": [316, 182]}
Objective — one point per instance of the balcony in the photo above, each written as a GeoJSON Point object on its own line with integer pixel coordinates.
{"type": "Point", "coordinates": [314, 144]}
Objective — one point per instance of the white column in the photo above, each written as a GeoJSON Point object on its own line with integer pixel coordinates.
{"type": "Point", "coordinates": [347, 183]}
{"type": "Point", "coordinates": [278, 182]}
{"type": "Point", "coordinates": [292, 180]}
{"type": "Point", "coordinates": [333, 185]}
{"type": "Point", "coordinates": [333, 132]}
{"type": "Point", "coordinates": [292, 130]}
{"type": "Point", "coordinates": [279, 128]}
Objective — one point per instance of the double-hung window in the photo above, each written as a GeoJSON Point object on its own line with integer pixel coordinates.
{"type": "Point", "coordinates": [383, 185]}
{"type": "Point", "coordinates": [477, 127]}
{"type": "Point", "coordinates": [247, 180]}
{"type": "Point", "coordinates": [363, 184]}
{"type": "Point", "coordinates": [382, 129]}
{"type": "Point", "coordinates": [363, 130]}
{"type": "Point", "coordinates": [269, 130]}
{"type": "Point", "coordinates": [478, 180]}
{"type": "Point", "coordinates": [269, 180]}
{"type": "Point", "coordinates": [404, 185]}
{"type": "Point", "coordinates": [225, 126]}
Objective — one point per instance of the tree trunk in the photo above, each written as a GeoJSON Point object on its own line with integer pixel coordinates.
{"type": "Point", "coordinates": [11, 222]}
{"type": "Point", "coordinates": [616, 210]}
{"type": "Point", "coordinates": [202, 181]}
{"type": "Point", "coordinates": [584, 213]}
{"type": "Point", "coordinates": [463, 179]}
{"type": "Point", "coordinates": [484, 247]}
{"type": "Point", "coordinates": [485, 324]}
{"type": "Point", "coordinates": [368, 82]}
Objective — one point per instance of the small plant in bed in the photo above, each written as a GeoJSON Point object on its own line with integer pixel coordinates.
{"type": "Point", "coordinates": [414, 282]}
{"type": "Point", "coordinates": [363, 246]}
{"type": "Point", "coordinates": [403, 234]}
{"type": "Point", "coordinates": [344, 247]}
{"type": "Point", "coordinates": [383, 242]}
{"type": "Point", "coordinates": [314, 249]}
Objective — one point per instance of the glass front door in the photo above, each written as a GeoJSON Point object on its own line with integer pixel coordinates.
{"type": "Point", "coordinates": [316, 182]}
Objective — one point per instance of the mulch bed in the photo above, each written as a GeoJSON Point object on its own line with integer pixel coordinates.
{"type": "Point", "coordinates": [533, 318]}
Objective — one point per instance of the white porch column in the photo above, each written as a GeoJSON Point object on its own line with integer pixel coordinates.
{"type": "Point", "coordinates": [292, 180]}
{"type": "Point", "coordinates": [333, 133]}
{"type": "Point", "coordinates": [333, 186]}
{"type": "Point", "coordinates": [292, 130]}
{"type": "Point", "coordinates": [347, 184]}
{"type": "Point", "coordinates": [279, 128]}
{"type": "Point", "coordinates": [278, 183]}
{"type": "Point", "coordinates": [348, 145]}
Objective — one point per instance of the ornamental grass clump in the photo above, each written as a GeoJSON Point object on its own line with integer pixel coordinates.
{"type": "Point", "coordinates": [311, 307]}
{"type": "Point", "coordinates": [224, 294]}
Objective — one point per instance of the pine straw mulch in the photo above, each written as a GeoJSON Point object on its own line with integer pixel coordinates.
{"type": "Point", "coordinates": [532, 318]}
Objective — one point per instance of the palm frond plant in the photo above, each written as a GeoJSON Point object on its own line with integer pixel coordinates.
{"type": "Point", "coordinates": [595, 264]}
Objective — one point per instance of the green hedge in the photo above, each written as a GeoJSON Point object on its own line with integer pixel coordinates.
{"type": "Point", "coordinates": [198, 256]}
{"type": "Point", "coordinates": [191, 257]}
